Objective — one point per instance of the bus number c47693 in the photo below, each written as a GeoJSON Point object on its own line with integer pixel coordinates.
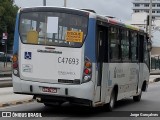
{"type": "Point", "coordinates": [64, 60]}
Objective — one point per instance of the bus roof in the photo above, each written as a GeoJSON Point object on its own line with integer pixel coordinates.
{"type": "Point", "coordinates": [118, 23]}
{"type": "Point", "coordinates": [104, 18]}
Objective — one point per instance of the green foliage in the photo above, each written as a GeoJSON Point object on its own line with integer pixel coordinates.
{"type": "Point", "coordinates": [8, 11]}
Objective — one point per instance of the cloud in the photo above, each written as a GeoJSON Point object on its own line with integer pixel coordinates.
{"type": "Point", "coordinates": [121, 9]}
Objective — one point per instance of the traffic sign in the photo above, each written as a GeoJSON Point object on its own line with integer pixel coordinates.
{"type": "Point", "coordinates": [5, 35]}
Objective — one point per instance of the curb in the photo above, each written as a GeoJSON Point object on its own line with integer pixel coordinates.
{"type": "Point", "coordinates": [157, 80]}
{"type": "Point", "coordinates": [5, 75]}
{"type": "Point", "coordinates": [5, 83]}
{"type": "Point", "coordinates": [16, 102]}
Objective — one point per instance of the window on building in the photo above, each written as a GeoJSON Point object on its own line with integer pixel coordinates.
{"type": "Point", "coordinates": [147, 11]}
{"type": "Point", "coordinates": [153, 11]}
{"type": "Point", "coordinates": [158, 5]}
{"type": "Point", "coordinates": [146, 5]}
{"type": "Point", "coordinates": [137, 5]}
{"type": "Point", "coordinates": [158, 11]}
{"type": "Point", "coordinates": [153, 5]}
{"type": "Point", "coordinates": [136, 11]}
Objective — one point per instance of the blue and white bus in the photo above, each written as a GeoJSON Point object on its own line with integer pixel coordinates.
{"type": "Point", "coordinates": [64, 54]}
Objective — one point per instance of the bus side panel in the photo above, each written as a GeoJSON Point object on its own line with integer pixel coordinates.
{"type": "Point", "coordinates": [16, 36]}
{"type": "Point", "coordinates": [144, 75]}
{"type": "Point", "coordinates": [125, 75]}
{"type": "Point", "coordinates": [90, 41]}
{"type": "Point", "coordinates": [90, 51]}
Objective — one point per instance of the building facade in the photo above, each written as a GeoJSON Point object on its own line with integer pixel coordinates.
{"type": "Point", "coordinates": [144, 6]}
{"type": "Point", "coordinates": [139, 18]}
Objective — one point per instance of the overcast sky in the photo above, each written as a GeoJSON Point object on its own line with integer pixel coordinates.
{"type": "Point", "coordinates": [122, 9]}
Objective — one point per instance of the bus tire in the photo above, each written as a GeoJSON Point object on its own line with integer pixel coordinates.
{"type": "Point", "coordinates": [112, 102]}
{"type": "Point", "coordinates": [138, 97]}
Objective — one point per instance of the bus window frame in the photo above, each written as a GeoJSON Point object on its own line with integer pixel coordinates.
{"type": "Point", "coordinates": [106, 56]}
{"type": "Point", "coordinates": [119, 60]}
{"type": "Point", "coordinates": [128, 60]}
{"type": "Point", "coordinates": [74, 13]}
{"type": "Point", "coordinates": [137, 46]}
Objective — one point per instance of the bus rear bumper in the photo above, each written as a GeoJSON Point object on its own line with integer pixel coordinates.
{"type": "Point", "coordinates": [79, 93]}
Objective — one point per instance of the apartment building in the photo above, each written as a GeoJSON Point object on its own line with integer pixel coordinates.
{"type": "Point", "coordinates": [144, 6]}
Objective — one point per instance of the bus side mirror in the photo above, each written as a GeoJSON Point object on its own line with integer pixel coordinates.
{"type": "Point", "coordinates": [149, 46]}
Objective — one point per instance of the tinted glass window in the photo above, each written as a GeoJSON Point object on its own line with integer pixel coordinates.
{"type": "Point", "coordinates": [134, 46]}
{"type": "Point", "coordinates": [125, 44]}
{"type": "Point", "coordinates": [51, 28]}
{"type": "Point", "coordinates": [114, 43]}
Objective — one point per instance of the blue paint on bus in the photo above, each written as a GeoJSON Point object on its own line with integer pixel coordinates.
{"type": "Point", "coordinates": [16, 36]}
{"type": "Point", "coordinates": [90, 42]}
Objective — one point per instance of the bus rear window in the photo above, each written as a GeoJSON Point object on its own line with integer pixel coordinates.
{"type": "Point", "coordinates": [53, 29]}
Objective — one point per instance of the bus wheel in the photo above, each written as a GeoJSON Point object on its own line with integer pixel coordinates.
{"type": "Point", "coordinates": [138, 97]}
{"type": "Point", "coordinates": [111, 104]}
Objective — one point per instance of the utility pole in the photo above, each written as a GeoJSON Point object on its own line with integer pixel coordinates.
{"type": "Point", "coordinates": [44, 2]}
{"type": "Point", "coordinates": [150, 27]}
{"type": "Point", "coordinates": [65, 3]}
{"type": "Point", "coordinates": [150, 21]}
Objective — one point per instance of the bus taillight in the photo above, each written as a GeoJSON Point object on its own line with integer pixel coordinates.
{"type": "Point", "coordinates": [87, 70]}
{"type": "Point", "coordinates": [14, 59]}
{"type": "Point", "coordinates": [88, 64]}
{"type": "Point", "coordinates": [15, 65]}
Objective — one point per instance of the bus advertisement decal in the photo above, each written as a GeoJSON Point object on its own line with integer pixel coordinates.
{"type": "Point", "coordinates": [27, 68]}
{"type": "Point", "coordinates": [74, 36]}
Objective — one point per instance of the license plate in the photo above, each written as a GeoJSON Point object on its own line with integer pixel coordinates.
{"type": "Point", "coordinates": [49, 89]}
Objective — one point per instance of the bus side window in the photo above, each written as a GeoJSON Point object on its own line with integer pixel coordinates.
{"type": "Point", "coordinates": [141, 48]}
{"type": "Point", "coordinates": [146, 58]}
{"type": "Point", "coordinates": [114, 43]}
{"type": "Point", "coordinates": [125, 44]}
{"type": "Point", "coordinates": [134, 46]}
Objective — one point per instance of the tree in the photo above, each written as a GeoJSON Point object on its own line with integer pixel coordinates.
{"type": "Point", "coordinates": [8, 11]}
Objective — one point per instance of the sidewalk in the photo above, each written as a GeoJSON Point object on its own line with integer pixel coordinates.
{"type": "Point", "coordinates": [155, 72]}
{"type": "Point", "coordinates": [5, 74]}
{"type": "Point", "coordinates": [6, 68]}
{"type": "Point", "coordinates": [153, 78]}
{"type": "Point", "coordinates": [7, 97]}
{"type": "Point", "coordinates": [5, 82]}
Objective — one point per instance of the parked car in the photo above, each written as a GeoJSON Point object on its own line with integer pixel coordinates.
{"type": "Point", "coordinates": [4, 57]}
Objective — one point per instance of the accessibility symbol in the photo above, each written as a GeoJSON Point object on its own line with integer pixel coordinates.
{"type": "Point", "coordinates": [28, 55]}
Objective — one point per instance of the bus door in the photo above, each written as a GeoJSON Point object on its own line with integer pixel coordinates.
{"type": "Point", "coordinates": [102, 35]}
{"type": "Point", "coordinates": [141, 56]}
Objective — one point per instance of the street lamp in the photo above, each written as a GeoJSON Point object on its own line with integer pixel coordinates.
{"type": "Point", "coordinates": [150, 26]}
{"type": "Point", "coordinates": [150, 20]}
{"type": "Point", "coordinates": [65, 3]}
{"type": "Point", "coordinates": [44, 2]}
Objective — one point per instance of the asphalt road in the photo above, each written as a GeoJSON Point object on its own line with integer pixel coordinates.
{"type": "Point", "coordinates": [150, 103]}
